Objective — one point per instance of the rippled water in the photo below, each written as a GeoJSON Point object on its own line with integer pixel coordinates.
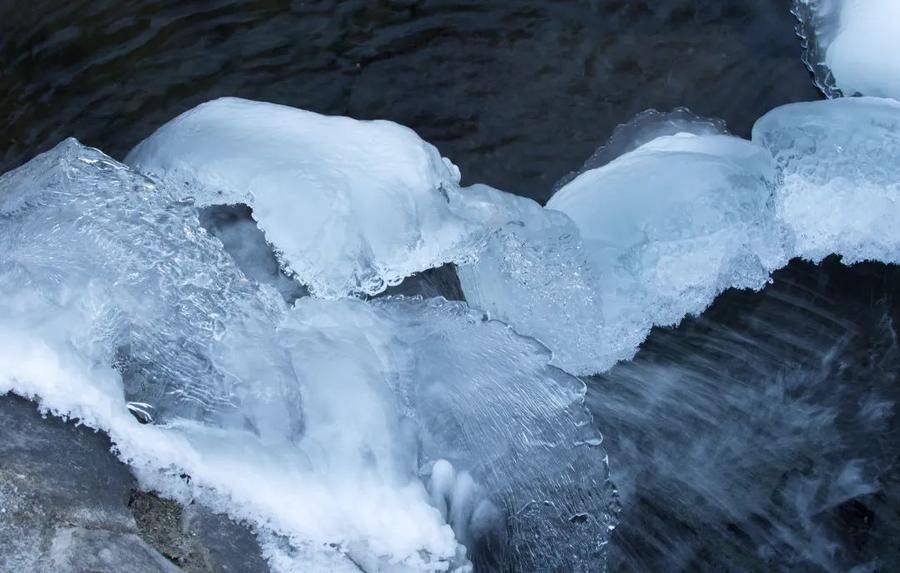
{"type": "Point", "coordinates": [517, 93]}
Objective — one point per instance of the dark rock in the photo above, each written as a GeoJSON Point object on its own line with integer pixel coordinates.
{"type": "Point", "coordinates": [67, 504]}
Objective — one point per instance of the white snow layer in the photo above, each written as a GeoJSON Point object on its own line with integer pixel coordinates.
{"type": "Point", "coordinates": [319, 423]}
{"type": "Point", "coordinates": [852, 45]}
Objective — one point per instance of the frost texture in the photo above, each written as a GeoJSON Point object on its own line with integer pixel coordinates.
{"type": "Point", "coordinates": [851, 46]}
{"type": "Point", "coordinates": [123, 272]}
{"type": "Point", "coordinates": [323, 423]}
{"type": "Point", "coordinates": [352, 206]}
{"type": "Point", "coordinates": [840, 190]}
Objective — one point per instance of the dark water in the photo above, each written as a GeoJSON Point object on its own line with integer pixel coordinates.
{"type": "Point", "coordinates": [761, 436]}
{"type": "Point", "coordinates": [518, 93]}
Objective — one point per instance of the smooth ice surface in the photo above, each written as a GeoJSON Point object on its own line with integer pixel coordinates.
{"type": "Point", "coordinates": [322, 423]}
{"type": "Point", "coordinates": [839, 162]}
{"type": "Point", "coordinates": [352, 206]}
{"type": "Point", "coordinates": [644, 128]}
{"type": "Point", "coordinates": [851, 46]}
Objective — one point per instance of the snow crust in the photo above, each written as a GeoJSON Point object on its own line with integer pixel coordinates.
{"type": "Point", "coordinates": [852, 45]}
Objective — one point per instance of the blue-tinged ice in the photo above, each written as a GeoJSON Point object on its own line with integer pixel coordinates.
{"type": "Point", "coordinates": [379, 433]}
{"type": "Point", "coordinates": [96, 255]}
{"type": "Point", "coordinates": [851, 46]}
{"type": "Point", "coordinates": [839, 187]}
{"type": "Point", "coordinates": [351, 206]}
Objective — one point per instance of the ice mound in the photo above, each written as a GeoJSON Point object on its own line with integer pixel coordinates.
{"type": "Point", "coordinates": [851, 46]}
{"type": "Point", "coordinates": [670, 225]}
{"type": "Point", "coordinates": [320, 423]}
{"type": "Point", "coordinates": [644, 128]}
{"type": "Point", "coordinates": [351, 206]}
{"type": "Point", "coordinates": [840, 189]}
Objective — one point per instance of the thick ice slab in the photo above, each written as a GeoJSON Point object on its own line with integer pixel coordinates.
{"type": "Point", "coordinates": [96, 255]}
{"type": "Point", "coordinates": [670, 225]}
{"type": "Point", "coordinates": [839, 162]}
{"type": "Point", "coordinates": [532, 273]}
{"type": "Point", "coordinates": [352, 206]}
{"type": "Point", "coordinates": [851, 46]}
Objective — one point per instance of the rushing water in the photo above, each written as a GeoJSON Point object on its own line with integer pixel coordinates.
{"type": "Point", "coordinates": [760, 436]}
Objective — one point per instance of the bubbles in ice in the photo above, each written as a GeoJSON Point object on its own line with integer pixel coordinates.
{"type": "Point", "coordinates": [322, 422]}
{"type": "Point", "coordinates": [98, 256]}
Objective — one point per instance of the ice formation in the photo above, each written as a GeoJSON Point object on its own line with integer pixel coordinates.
{"type": "Point", "coordinates": [411, 433]}
{"type": "Point", "coordinates": [851, 46]}
{"type": "Point", "coordinates": [351, 433]}
{"type": "Point", "coordinates": [649, 237]}
{"type": "Point", "coordinates": [98, 257]}
{"type": "Point", "coordinates": [839, 192]}
{"type": "Point", "coordinates": [352, 206]}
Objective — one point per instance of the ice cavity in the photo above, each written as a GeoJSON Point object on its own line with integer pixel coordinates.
{"type": "Point", "coordinates": [351, 206]}
{"type": "Point", "coordinates": [851, 46]}
{"type": "Point", "coordinates": [319, 423]}
{"type": "Point", "coordinates": [840, 189]}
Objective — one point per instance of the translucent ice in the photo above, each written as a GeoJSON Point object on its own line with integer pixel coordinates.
{"type": "Point", "coordinates": [532, 491]}
{"type": "Point", "coordinates": [322, 423]}
{"type": "Point", "coordinates": [851, 46]}
{"type": "Point", "coordinates": [644, 128]}
{"type": "Point", "coordinates": [111, 263]}
{"type": "Point", "coordinates": [670, 225]}
{"type": "Point", "coordinates": [532, 273]}
{"type": "Point", "coordinates": [840, 189]}
{"type": "Point", "coordinates": [113, 291]}
{"type": "Point", "coordinates": [352, 206]}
